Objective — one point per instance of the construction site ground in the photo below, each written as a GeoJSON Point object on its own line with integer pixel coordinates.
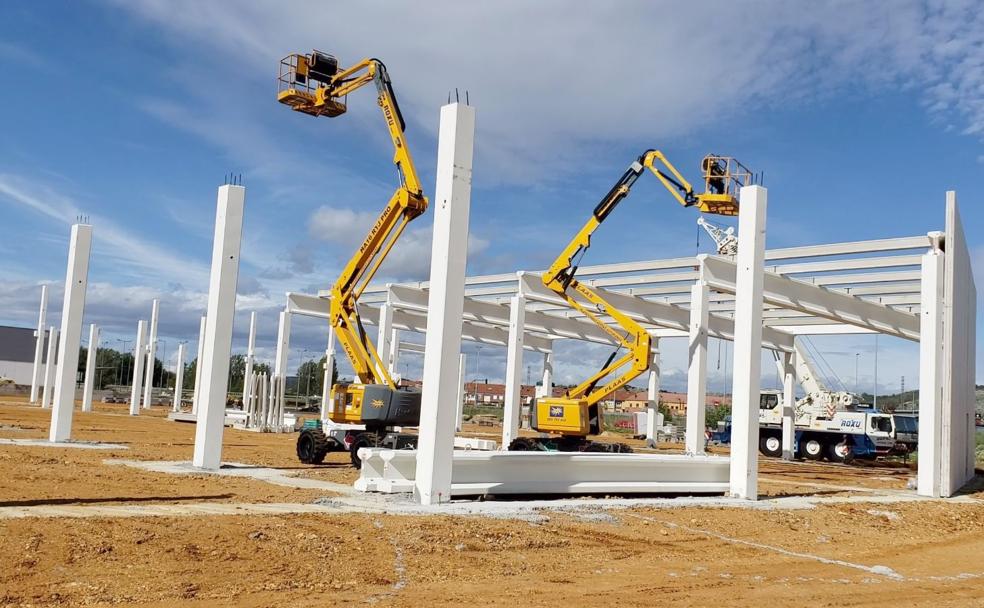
{"type": "Point", "coordinates": [91, 527]}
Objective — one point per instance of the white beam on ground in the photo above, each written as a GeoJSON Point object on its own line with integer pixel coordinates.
{"type": "Point", "coordinates": [811, 299]}
{"type": "Point", "coordinates": [449, 252]}
{"type": "Point", "coordinates": [139, 352]}
{"type": "Point", "coordinates": [50, 366]}
{"type": "Point", "coordinates": [748, 342]}
{"type": "Point", "coordinates": [90, 368]}
{"type": "Point", "coordinates": [652, 406]}
{"type": "Point", "coordinates": [788, 404]}
{"type": "Point", "coordinates": [37, 374]}
{"type": "Point", "coordinates": [151, 356]}
{"type": "Point", "coordinates": [514, 370]}
{"type": "Point", "coordinates": [697, 369]}
{"type": "Point", "coordinates": [179, 378]}
{"type": "Point", "coordinates": [218, 331]}
{"type": "Point", "coordinates": [928, 480]}
{"type": "Point", "coordinates": [250, 359]}
{"type": "Point", "coordinates": [73, 306]}
{"type": "Point", "coordinates": [198, 365]}
{"type": "Point", "coordinates": [460, 403]}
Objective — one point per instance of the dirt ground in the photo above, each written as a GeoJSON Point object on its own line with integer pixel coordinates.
{"type": "Point", "coordinates": [844, 552]}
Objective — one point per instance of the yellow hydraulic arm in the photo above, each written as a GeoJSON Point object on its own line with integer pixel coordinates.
{"type": "Point", "coordinates": [723, 176]}
{"type": "Point", "coordinates": [313, 84]}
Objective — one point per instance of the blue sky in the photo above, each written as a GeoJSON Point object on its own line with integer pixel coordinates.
{"type": "Point", "coordinates": [861, 116]}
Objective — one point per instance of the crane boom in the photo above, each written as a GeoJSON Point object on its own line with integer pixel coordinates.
{"type": "Point", "coordinates": [576, 413]}
{"type": "Point", "coordinates": [314, 85]}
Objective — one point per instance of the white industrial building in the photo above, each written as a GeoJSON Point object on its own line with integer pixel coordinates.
{"type": "Point", "coordinates": [17, 347]}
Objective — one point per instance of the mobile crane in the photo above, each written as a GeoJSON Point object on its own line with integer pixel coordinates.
{"type": "Point", "coordinates": [576, 414]}
{"type": "Point", "coordinates": [314, 84]}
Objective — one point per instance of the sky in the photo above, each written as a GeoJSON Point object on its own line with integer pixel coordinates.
{"type": "Point", "coordinates": [131, 112]}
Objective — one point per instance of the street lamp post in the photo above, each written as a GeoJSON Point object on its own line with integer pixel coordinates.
{"type": "Point", "coordinates": [123, 374]}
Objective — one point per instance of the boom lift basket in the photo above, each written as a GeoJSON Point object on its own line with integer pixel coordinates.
{"type": "Point", "coordinates": [305, 84]}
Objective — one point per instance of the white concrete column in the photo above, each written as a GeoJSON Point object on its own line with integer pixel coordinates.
{"type": "Point", "coordinates": [283, 344]}
{"type": "Point", "coordinates": [90, 368]}
{"type": "Point", "coordinates": [747, 366]}
{"type": "Point", "coordinates": [931, 357]}
{"type": "Point", "coordinates": [198, 365]}
{"type": "Point", "coordinates": [139, 352]}
{"type": "Point", "coordinates": [151, 355]}
{"type": "Point", "coordinates": [384, 335]}
{"type": "Point", "coordinates": [546, 382]}
{"type": "Point", "coordinates": [37, 375]}
{"type": "Point", "coordinates": [514, 370]}
{"type": "Point", "coordinates": [73, 306]}
{"type": "Point", "coordinates": [461, 393]}
{"type": "Point", "coordinates": [50, 366]}
{"type": "Point", "coordinates": [218, 331]}
{"type": "Point", "coordinates": [652, 408]}
{"type": "Point", "coordinates": [788, 406]}
{"type": "Point", "coordinates": [697, 371]}
{"type": "Point", "coordinates": [449, 253]}
{"type": "Point", "coordinates": [329, 372]}
{"type": "Point", "coordinates": [178, 378]}
{"type": "Point", "coordinates": [250, 357]}
{"type": "Point", "coordinates": [394, 354]}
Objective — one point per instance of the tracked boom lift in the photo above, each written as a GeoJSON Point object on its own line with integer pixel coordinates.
{"type": "Point", "coordinates": [314, 84]}
{"type": "Point", "coordinates": [576, 415]}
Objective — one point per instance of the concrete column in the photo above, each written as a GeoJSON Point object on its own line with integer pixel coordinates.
{"type": "Point", "coordinates": [329, 372]}
{"type": "Point", "coordinates": [788, 406]}
{"type": "Point", "coordinates": [198, 365]}
{"type": "Point", "coordinates": [697, 371]}
{"type": "Point", "coordinates": [461, 393]}
{"type": "Point", "coordinates": [449, 252]}
{"type": "Point", "coordinates": [139, 350]}
{"type": "Point", "coordinates": [514, 370]}
{"type": "Point", "coordinates": [50, 366]}
{"type": "Point", "coordinates": [931, 357]}
{"type": "Point", "coordinates": [37, 376]}
{"type": "Point", "coordinates": [90, 368]}
{"type": "Point", "coordinates": [747, 366]}
{"type": "Point", "coordinates": [652, 409]}
{"type": "Point", "coordinates": [384, 335]}
{"type": "Point", "coordinates": [151, 356]}
{"type": "Point", "coordinates": [218, 331]}
{"type": "Point", "coordinates": [283, 344]}
{"type": "Point", "coordinates": [546, 383]}
{"type": "Point", "coordinates": [250, 356]}
{"type": "Point", "coordinates": [76, 280]}
{"type": "Point", "coordinates": [394, 354]}
{"type": "Point", "coordinates": [178, 378]}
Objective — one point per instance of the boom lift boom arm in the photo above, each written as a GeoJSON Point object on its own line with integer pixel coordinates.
{"type": "Point", "coordinates": [721, 181]}
{"type": "Point", "coordinates": [313, 84]}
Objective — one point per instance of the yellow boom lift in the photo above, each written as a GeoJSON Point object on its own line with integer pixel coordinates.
{"type": "Point", "coordinates": [314, 84]}
{"type": "Point", "coordinates": [574, 416]}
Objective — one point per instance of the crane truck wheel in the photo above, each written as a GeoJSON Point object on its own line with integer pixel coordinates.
{"type": "Point", "coordinates": [362, 440]}
{"type": "Point", "coordinates": [812, 448]}
{"type": "Point", "coordinates": [770, 445]}
{"type": "Point", "coordinates": [312, 445]}
{"type": "Point", "coordinates": [521, 444]}
{"type": "Point", "coordinates": [841, 451]}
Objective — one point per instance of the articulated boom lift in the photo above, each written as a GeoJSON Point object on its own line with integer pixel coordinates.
{"type": "Point", "coordinates": [576, 415]}
{"type": "Point", "coordinates": [313, 84]}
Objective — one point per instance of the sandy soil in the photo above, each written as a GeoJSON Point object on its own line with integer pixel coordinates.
{"type": "Point", "coordinates": [853, 554]}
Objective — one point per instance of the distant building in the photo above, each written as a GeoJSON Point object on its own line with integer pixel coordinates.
{"type": "Point", "coordinates": [17, 353]}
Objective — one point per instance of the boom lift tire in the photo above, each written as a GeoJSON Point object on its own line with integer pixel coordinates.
{"type": "Point", "coordinates": [369, 439]}
{"type": "Point", "coordinates": [312, 446]}
{"type": "Point", "coordinates": [522, 444]}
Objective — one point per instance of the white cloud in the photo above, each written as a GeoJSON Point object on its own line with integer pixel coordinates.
{"type": "Point", "coordinates": [557, 85]}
